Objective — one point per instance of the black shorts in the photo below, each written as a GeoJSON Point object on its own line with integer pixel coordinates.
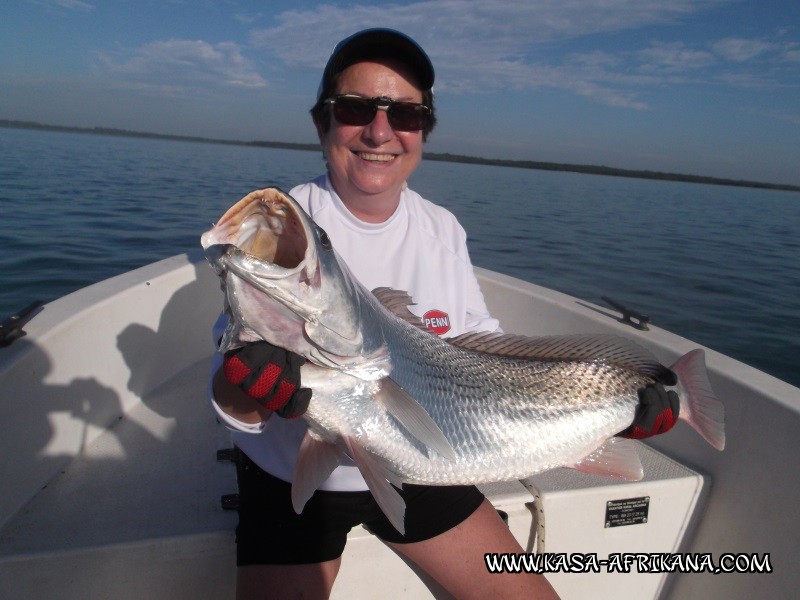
{"type": "Point", "coordinates": [271, 533]}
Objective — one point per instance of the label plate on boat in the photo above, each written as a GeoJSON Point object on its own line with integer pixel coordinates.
{"type": "Point", "coordinates": [631, 511]}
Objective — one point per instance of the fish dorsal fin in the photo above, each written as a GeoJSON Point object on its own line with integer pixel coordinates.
{"type": "Point", "coordinates": [608, 348]}
{"type": "Point", "coordinates": [616, 458]}
{"type": "Point", "coordinates": [397, 303]}
{"type": "Point", "coordinates": [614, 349]}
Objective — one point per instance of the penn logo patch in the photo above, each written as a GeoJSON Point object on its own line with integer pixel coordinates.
{"type": "Point", "coordinates": [437, 321]}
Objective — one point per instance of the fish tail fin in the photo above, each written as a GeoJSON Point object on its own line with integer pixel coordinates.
{"type": "Point", "coordinates": [699, 407]}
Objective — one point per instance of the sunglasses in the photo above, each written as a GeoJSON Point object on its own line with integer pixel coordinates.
{"type": "Point", "coordinates": [350, 109]}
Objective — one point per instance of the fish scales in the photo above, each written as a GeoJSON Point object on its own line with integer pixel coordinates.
{"type": "Point", "coordinates": [502, 431]}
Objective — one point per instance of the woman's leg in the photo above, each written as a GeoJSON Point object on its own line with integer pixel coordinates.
{"type": "Point", "coordinates": [455, 559]}
{"type": "Point", "coordinates": [259, 582]}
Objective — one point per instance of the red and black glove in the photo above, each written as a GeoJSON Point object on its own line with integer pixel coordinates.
{"type": "Point", "coordinates": [657, 412]}
{"type": "Point", "coordinates": [270, 375]}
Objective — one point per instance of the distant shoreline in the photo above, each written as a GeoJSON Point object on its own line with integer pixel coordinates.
{"type": "Point", "coordinates": [445, 157]}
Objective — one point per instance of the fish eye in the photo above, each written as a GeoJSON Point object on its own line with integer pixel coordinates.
{"type": "Point", "coordinates": [324, 239]}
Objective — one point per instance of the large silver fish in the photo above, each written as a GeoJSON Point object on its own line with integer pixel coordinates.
{"type": "Point", "coordinates": [408, 406]}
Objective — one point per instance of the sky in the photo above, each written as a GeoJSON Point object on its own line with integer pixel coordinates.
{"type": "Point", "coordinates": [705, 87]}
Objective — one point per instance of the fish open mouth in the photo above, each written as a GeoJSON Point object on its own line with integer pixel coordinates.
{"type": "Point", "coordinates": [266, 226]}
{"type": "Point", "coordinates": [284, 284]}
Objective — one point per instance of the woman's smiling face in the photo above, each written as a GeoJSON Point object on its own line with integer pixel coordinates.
{"type": "Point", "coordinates": [368, 164]}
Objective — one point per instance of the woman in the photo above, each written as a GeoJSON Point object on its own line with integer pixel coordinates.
{"type": "Point", "coordinates": [373, 113]}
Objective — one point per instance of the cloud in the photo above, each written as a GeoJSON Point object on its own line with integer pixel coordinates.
{"type": "Point", "coordinates": [741, 50]}
{"type": "Point", "coordinates": [596, 58]}
{"type": "Point", "coordinates": [674, 57]}
{"type": "Point", "coordinates": [175, 67]}
{"type": "Point", "coordinates": [447, 28]}
{"type": "Point", "coordinates": [68, 4]}
{"type": "Point", "coordinates": [485, 44]}
{"type": "Point", "coordinates": [76, 4]}
{"type": "Point", "coordinates": [246, 18]}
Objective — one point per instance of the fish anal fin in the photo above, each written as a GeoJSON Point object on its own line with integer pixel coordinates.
{"type": "Point", "coordinates": [616, 458]}
{"type": "Point", "coordinates": [413, 417]}
{"type": "Point", "coordinates": [316, 460]}
{"type": "Point", "coordinates": [377, 477]}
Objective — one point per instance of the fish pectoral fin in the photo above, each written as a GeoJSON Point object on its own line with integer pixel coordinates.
{"type": "Point", "coordinates": [377, 477]}
{"type": "Point", "coordinates": [617, 458]}
{"type": "Point", "coordinates": [316, 460]}
{"type": "Point", "coordinates": [413, 417]}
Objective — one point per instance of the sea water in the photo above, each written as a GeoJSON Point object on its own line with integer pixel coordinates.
{"type": "Point", "coordinates": [719, 265]}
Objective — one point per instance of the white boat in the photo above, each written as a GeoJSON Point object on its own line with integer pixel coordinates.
{"type": "Point", "coordinates": [111, 487]}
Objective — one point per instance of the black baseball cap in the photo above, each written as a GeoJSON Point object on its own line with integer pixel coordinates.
{"type": "Point", "coordinates": [377, 43]}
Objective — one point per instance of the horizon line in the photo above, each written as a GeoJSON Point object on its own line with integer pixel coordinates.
{"type": "Point", "coordinates": [434, 156]}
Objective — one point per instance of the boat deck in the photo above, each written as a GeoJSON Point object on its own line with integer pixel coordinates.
{"type": "Point", "coordinates": [111, 486]}
{"type": "Point", "coordinates": [143, 495]}
{"type": "Point", "coordinates": [139, 512]}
